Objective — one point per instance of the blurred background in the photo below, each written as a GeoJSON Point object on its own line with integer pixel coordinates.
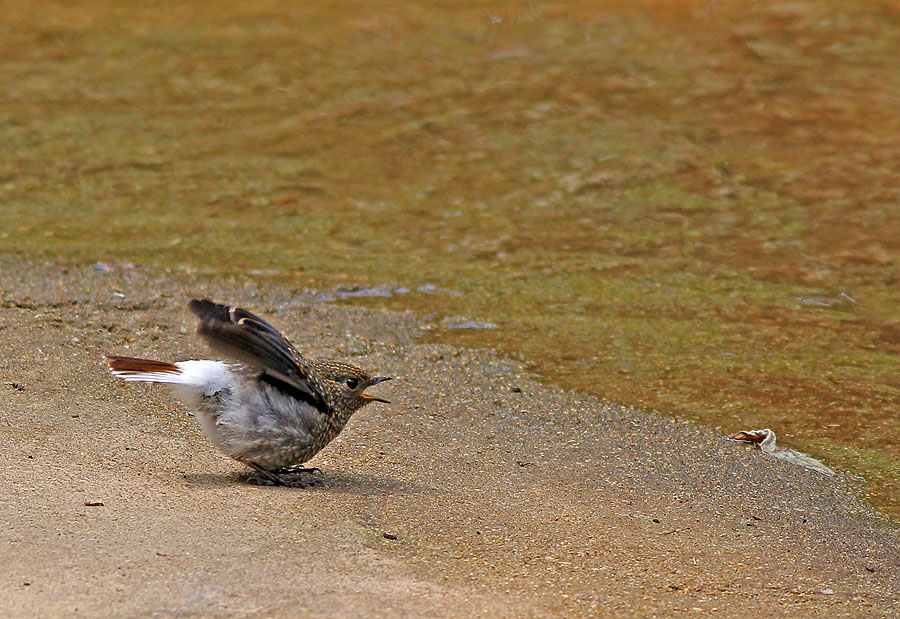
{"type": "Point", "coordinates": [690, 207]}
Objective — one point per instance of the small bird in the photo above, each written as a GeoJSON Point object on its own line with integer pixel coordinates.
{"type": "Point", "coordinates": [271, 408]}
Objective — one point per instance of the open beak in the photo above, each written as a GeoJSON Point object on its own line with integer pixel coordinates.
{"type": "Point", "coordinates": [372, 398]}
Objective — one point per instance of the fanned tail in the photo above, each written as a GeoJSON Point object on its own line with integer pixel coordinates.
{"type": "Point", "coordinates": [144, 370]}
{"type": "Point", "coordinates": [189, 380]}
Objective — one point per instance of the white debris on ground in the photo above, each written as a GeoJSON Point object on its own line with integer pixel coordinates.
{"type": "Point", "coordinates": [765, 440]}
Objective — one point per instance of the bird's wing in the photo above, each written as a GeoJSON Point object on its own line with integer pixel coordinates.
{"type": "Point", "coordinates": [237, 333]}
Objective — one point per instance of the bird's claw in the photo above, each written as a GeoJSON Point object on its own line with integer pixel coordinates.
{"type": "Point", "coordinates": [296, 483]}
{"type": "Point", "coordinates": [266, 477]}
{"type": "Point", "coordinates": [276, 480]}
{"type": "Point", "coordinates": [296, 470]}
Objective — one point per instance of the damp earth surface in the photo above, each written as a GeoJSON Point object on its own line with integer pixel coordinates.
{"type": "Point", "coordinates": [687, 207]}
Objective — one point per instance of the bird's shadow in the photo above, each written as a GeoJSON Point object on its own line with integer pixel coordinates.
{"type": "Point", "coordinates": [330, 480]}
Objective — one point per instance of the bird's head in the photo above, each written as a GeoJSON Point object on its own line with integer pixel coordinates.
{"type": "Point", "coordinates": [344, 385]}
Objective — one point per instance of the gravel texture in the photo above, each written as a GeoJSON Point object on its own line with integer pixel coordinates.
{"type": "Point", "coordinates": [479, 490]}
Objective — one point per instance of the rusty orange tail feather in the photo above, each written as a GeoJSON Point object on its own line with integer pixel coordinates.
{"type": "Point", "coordinates": [134, 365]}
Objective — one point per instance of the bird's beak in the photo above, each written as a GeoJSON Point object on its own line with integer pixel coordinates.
{"type": "Point", "coordinates": [372, 398]}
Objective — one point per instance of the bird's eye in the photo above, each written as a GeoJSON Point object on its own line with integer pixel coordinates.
{"type": "Point", "coordinates": [352, 383]}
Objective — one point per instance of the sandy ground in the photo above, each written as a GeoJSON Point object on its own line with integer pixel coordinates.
{"type": "Point", "coordinates": [477, 491]}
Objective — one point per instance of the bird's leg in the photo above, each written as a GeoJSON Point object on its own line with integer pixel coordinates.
{"type": "Point", "coordinates": [296, 470]}
{"type": "Point", "coordinates": [276, 480]}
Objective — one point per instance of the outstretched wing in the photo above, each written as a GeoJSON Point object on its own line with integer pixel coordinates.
{"type": "Point", "coordinates": [237, 333]}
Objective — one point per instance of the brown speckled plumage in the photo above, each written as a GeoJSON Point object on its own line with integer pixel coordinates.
{"type": "Point", "coordinates": [271, 408]}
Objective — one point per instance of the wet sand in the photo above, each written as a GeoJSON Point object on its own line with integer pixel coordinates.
{"type": "Point", "coordinates": [682, 206]}
{"type": "Point", "coordinates": [477, 491]}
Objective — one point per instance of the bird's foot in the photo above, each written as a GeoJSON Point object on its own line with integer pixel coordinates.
{"type": "Point", "coordinates": [298, 483]}
{"type": "Point", "coordinates": [296, 470]}
{"type": "Point", "coordinates": [260, 480]}
{"type": "Point", "coordinates": [266, 477]}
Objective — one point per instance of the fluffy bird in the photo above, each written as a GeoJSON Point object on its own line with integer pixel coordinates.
{"type": "Point", "coordinates": [268, 407]}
